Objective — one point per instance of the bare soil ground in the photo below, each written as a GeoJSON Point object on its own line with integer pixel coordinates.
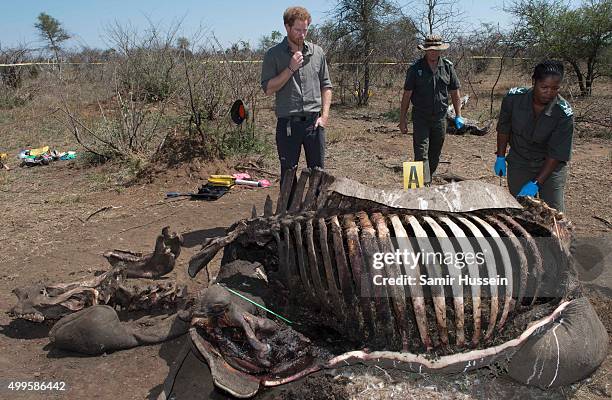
{"type": "Point", "coordinates": [44, 238]}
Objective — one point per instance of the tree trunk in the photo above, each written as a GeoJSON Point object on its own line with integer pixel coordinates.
{"type": "Point", "coordinates": [579, 76]}
{"type": "Point", "coordinates": [499, 73]}
{"type": "Point", "coordinates": [366, 83]}
{"type": "Point", "coordinates": [590, 75]}
{"type": "Point", "coordinates": [430, 15]}
{"type": "Point", "coordinates": [363, 98]}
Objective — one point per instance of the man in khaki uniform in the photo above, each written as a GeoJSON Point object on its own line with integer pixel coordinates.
{"type": "Point", "coordinates": [428, 83]}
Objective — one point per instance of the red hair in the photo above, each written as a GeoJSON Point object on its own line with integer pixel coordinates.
{"type": "Point", "coordinates": [296, 13]}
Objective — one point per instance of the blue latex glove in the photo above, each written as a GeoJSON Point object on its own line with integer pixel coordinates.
{"type": "Point", "coordinates": [500, 166]}
{"type": "Point", "coordinates": [459, 122]}
{"type": "Point", "coordinates": [531, 189]}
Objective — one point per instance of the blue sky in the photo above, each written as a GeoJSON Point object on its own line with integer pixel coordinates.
{"type": "Point", "coordinates": [86, 20]}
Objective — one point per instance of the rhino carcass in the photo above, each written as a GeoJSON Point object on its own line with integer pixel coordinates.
{"type": "Point", "coordinates": [322, 255]}
{"type": "Point", "coordinates": [84, 313]}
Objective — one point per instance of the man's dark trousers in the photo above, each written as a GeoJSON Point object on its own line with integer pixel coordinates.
{"type": "Point", "coordinates": [295, 131]}
{"type": "Point", "coordinates": [428, 139]}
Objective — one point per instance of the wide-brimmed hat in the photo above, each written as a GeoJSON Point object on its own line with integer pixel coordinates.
{"type": "Point", "coordinates": [433, 42]}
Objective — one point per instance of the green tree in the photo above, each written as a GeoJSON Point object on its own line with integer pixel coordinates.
{"type": "Point", "coordinates": [183, 43]}
{"type": "Point", "coordinates": [270, 40]}
{"type": "Point", "coordinates": [580, 36]}
{"type": "Point", "coordinates": [51, 31]}
{"type": "Point", "coordinates": [359, 26]}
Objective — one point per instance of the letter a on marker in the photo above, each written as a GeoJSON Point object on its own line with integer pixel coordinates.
{"type": "Point", "coordinates": [413, 174]}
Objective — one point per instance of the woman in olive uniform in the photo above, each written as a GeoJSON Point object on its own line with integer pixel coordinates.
{"type": "Point", "coordinates": [538, 124]}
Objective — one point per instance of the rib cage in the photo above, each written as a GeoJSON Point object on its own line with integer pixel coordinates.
{"type": "Point", "coordinates": [319, 244]}
{"type": "Point", "coordinates": [327, 261]}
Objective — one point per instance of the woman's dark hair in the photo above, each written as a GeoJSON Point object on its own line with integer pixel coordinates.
{"type": "Point", "coordinates": [548, 68]}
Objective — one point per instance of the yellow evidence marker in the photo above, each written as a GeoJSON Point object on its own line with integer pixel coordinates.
{"type": "Point", "coordinates": [413, 174]}
{"type": "Point", "coordinates": [3, 156]}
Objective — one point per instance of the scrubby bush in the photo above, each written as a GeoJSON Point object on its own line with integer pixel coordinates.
{"type": "Point", "coordinates": [214, 79]}
{"type": "Point", "coordinates": [158, 90]}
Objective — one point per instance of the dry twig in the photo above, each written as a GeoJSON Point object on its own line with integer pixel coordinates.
{"type": "Point", "coordinates": [106, 208]}
{"type": "Point", "coordinates": [148, 223]}
{"type": "Point", "coordinates": [605, 221]}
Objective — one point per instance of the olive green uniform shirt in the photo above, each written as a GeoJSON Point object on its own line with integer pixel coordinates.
{"type": "Point", "coordinates": [430, 88]}
{"type": "Point", "coordinates": [533, 139]}
{"type": "Point", "coordinates": [302, 92]}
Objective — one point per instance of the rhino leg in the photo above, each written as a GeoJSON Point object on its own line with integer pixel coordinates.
{"type": "Point", "coordinates": [96, 330]}
{"type": "Point", "coordinates": [565, 351]}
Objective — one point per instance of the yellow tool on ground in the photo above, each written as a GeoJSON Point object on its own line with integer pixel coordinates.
{"type": "Point", "coordinates": [39, 151]}
{"type": "Point", "coordinates": [229, 181]}
{"type": "Point", "coordinates": [222, 180]}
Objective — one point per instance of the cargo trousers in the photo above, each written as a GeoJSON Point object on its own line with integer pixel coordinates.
{"type": "Point", "coordinates": [427, 140]}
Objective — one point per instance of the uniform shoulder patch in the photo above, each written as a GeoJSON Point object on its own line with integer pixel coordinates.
{"type": "Point", "coordinates": [565, 107]}
{"type": "Point", "coordinates": [517, 90]}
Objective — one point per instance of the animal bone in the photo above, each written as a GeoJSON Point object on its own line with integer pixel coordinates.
{"type": "Point", "coordinates": [152, 265]}
{"type": "Point", "coordinates": [470, 126]}
{"type": "Point", "coordinates": [321, 270]}
{"type": "Point", "coordinates": [51, 302]}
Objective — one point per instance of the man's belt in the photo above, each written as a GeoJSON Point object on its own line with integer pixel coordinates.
{"type": "Point", "coordinates": [303, 117]}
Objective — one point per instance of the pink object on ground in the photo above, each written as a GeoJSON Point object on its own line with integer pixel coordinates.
{"type": "Point", "coordinates": [242, 176]}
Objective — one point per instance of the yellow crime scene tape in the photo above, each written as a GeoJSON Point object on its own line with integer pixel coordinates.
{"type": "Point", "coordinates": [260, 61]}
